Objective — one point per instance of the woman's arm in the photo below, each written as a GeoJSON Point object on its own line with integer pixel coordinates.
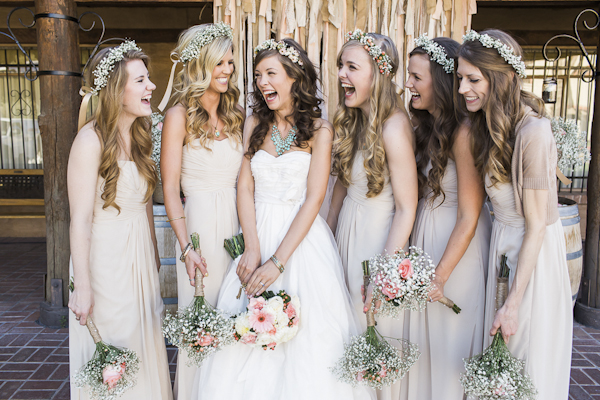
{"type": "Point", "coordinates": [399, 150]}
{"type": "Point", "coordinates": [150, 214]}
{"type": "Point", "coordinates": [337, 200]}
{"type": "Point", "coordinates": [318, 176]}
{"type": "Point", "coordinates": [471, 195]}
{"type": "Point", "coordinates": [246, 212]}
{"type": "Point", "coordinates": [82, 177]}
{"type": "Point", "coordinates": [173, 135]}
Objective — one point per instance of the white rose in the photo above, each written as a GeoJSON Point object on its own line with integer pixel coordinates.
{"type": "Point", "coordinates": [276, 303]}
{"type": "Point", "coordinates": [241, 324]}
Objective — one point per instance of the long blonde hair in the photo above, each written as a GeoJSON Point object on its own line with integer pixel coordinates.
{"type": "Point", "coordinates": [493, 127]}
{"type": "Point", "coordinates": [194, 79]}
{"type": "Point", "coordinates": [354, 130]}
{"type": "Point", "coordinates": [105, 121]}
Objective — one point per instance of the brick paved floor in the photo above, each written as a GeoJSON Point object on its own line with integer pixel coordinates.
{"type": "Point", "coordinates": [34, 360]}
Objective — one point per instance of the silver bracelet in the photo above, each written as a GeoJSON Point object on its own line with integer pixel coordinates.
{"type": "Point", "coordinates": [185, 252]}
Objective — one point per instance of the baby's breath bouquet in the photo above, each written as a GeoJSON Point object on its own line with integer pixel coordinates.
{"type": "Point", "coordinates": [156, 134]}
{"type": "Point", "coordinates": [403, 281]}
{"type": "Point", "coordinates": [571, 143]}
{"type": "Point", "coordinates": [199, 329]}
{"type": "Point", "coordinates": [370, 360]}
{"type": "Point", "coordinates": [111, 371]}
{"type": "Point", "coordinates": [495, 374]}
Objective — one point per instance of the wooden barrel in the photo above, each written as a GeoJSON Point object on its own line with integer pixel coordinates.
{"type": "Point", "coordinates": [569, 217]}
{"type": "Point", "coordinates": [166, 240]}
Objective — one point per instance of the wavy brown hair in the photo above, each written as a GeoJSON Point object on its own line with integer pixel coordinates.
{"type": "Point", "coordinates": [192, 82]}
{"type": "Point", "coordinates": [304, 94]}
{"type": "Point", "coordinates": [435, 135]}
{"type": "Point", "coordinates": [105, 121]}
{"type": "Point", "coordinates": [493, 127]}
{"type": "Point", "coordinates": [356, 131]}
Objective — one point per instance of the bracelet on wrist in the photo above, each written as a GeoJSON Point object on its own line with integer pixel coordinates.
{"type": "Point", "coordinates": [185, 252]}
{"type": "Point", "coordinates": [277, 263]}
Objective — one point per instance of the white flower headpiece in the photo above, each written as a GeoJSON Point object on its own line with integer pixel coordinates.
{"type": "Point", "coordinates": [282, 48]}
{"type": "Point", "coordinates": [383, 60]}
{"type": "Point", "coordinates": [204, 37]}
{"type": "Point", "coordinates": [107, 64]}
{"type": "Point", "coordinates": [436, 52]}
{"type": "Point", "coordinates": [503, 49]}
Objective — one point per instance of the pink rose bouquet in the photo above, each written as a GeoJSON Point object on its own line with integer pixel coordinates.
{"type": "Point", "coordinates": [199, 329]}
{"type": "Point", "coordinates": [270, 319]}
{"type": "Point", "coordinates": [111, 371]}
{"type": "Point", "coordinates": [403, 281]}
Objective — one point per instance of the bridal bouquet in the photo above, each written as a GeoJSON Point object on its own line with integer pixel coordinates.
{"type": "Point", "coordinates": [495, 374]}
{"type": "Point", "coordinates": [403, 281]}
{"type": "Point", "coordinates": [111, 371]}
{"type": "Point", "coordinates": [370, 360]}
{"type": "Point", "coordinates": [270, 319]}
{"type": "Point", "coordinates": [199, 329]}
{"type": "Point", "coordinates": [235, 246]}
{"type": "Point", "coordinates": [571, 143]}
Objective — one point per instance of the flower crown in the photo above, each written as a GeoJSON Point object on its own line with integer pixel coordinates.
{"type": "Point", "coordinates": [383, 60]}
{"type": "Point", "coordinates": [436, 52]}
{"type": "Point", "coordinates": [282, 48]}
{"type": "Point", "coordinates": [204, 37]}
{"type": "Point", "coordinates": [107, 64]}
{"type": "Point", "coordinates": [503, 49]}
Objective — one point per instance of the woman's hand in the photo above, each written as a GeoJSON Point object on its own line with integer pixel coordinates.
{"type": "Point", "coordinates": [368, 299]}
{"type": "Point", "coordinates": [437, 288]}
{"type": "Point", "coordinates": [192, 261]}
{"type": "Point", "coordinates": [248, 264]}
{"type": "Point", "coordinates": [262, 278]}
{"type": "Point", "coordinates": [507, 319]}
{"type": "Point", "coordinates": [81, 302]}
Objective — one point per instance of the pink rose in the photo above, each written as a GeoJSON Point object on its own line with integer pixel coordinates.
{"type": "Point", "coordinates": [271, 346]}
{"type": "Point", "coordinates": [249, 338]}
{"type": "Point", "coordinates": [290, 311]}
{"type": "Point", "coordinates": [405, 268]}
{"type": "Point", "coordinates": [360, 376]}
{"type": "Point", "coordinates": [256, 303]}
{"type": "Point", "coordinates": [383, 371]}
{"type": "Point", "coordinates": [390, 291]}
{"type": "Point", "coordinates": [273, 331]}
{"type": "Point", "coordinates": [111, 374]}
{"type": "Point", "coordinates": [204, 340]}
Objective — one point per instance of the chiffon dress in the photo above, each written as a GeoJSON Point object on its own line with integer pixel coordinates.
{"type": "Point", "coordinates": [124, 278]}
{"type": "Point", "coordinates": [445, 338]}
{"type": "Point", "coordinates": [208, 181]}
{"type": "Point", "coordinates": [300, 368]}
{"type": "Point", "coordinates": [363, 227]}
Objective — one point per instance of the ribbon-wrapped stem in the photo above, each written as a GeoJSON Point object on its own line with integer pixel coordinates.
{"type": "Point", "coordinates": [93, 330]}
{"type": "Point", "coordinates": [198, 278]}
{"type": "Point", "coordinates": [450, 304]}
{"type": "Point", "coordinates": [366, 281]}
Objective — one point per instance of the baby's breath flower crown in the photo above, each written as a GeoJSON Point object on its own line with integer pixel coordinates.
{"type": "Point", "coordinates": [383, 60]}
{"type": "Point", "coordinates": [436, 52]}
{"type": "Point", "coordinates": [503, 49]}
{"type": "Point", "coordinates": [204, 37]}
{"type": "Point", "coordinates": [282, 48]}
{"type": "Point", "coordinates": [107, 64]}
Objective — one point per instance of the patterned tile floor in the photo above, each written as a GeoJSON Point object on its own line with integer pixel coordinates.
{"type": "Point", "coordinates": [34, 360]}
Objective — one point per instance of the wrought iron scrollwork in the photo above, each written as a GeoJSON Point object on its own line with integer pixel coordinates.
{"type": "Point", "coordinates": [577, 40]}
{"type": "Point", "coordinates": [30, 75]}
{"type": "Point", "coordinates": [20, 107]}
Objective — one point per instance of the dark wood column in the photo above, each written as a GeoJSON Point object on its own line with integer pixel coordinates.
{"type": "Point", "coordinates": [58, 50]}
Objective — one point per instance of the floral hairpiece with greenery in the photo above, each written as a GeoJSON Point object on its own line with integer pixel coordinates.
{"type": "Point", "coordinates": [383, 60]}
{"type": "Point", "coordinates": [503, 49]}
{"type": "Point", "coordinates": [282, 48]}
{"type": "Point", "coordinates": [204, 37]}
{"type": "Point", "coordinates": [107, 64]}
{"type": "Point", "coordinates": [436, 52]}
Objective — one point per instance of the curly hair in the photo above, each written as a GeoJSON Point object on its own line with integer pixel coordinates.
{"type": "Point", "coordinates": [435, 135]}
{"type": "Point", "coordinates": [354, 130]}
{"type": "Point", "coordinates": [105, 122]}
{"type": "Point", "coordinates": [192, 82]}
{"type": "Point", "coordinates": [493, 127]}
{"type": "Point", "coordinates": [304, 94]}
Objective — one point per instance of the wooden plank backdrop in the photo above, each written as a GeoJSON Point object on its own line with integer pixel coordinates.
{"type": "Point", "coordinates": [320, 25]}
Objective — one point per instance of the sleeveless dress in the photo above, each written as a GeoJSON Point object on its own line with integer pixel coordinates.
{"type": "Point", "coordinates": [545, 329]}
{"type": "Point", "coordinates": [124, 279]}
{"type": "Point", "coordinates": [363, 227]}
{"type": "Point", "coordinates": [300, 368]}
{"type": "Point", "coordinates": [208, 181]}
{"type": "Point", "coordinates": [445, 338]}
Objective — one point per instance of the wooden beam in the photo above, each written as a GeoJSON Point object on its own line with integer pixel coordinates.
{"type": "Point", "coordinates": [21, 172]}
{"type": "Point", "coordinates": [21, 202]}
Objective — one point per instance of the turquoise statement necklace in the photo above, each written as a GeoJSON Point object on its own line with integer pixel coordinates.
{"type": "Point", "coordinates": [283, 145]}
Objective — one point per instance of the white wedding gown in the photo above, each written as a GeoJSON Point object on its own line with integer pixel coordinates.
{"type": "Point", "coordinates": [300, 368]}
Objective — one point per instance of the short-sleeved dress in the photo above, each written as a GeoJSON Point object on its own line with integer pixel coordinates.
{"type": "Point", "coordinates": [544, 335]}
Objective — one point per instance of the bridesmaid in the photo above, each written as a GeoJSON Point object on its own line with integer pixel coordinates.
{"type": "Point", "coordinates": [517, 158]}
{"type": "Point", "coordinates": [451, 226]}
{"type": "Point", "coordinates": [114, 259]}
{"type": "Point", "coordinates": [201, 148]}
{"type": "Point", "coordinates": [375, 196]}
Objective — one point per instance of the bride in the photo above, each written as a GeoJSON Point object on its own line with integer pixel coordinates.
{"type": "Point", "coordinates": [281, 186]}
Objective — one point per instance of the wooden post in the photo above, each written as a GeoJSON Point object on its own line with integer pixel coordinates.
{"type": "Point", "coordinates": [58, 50]}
